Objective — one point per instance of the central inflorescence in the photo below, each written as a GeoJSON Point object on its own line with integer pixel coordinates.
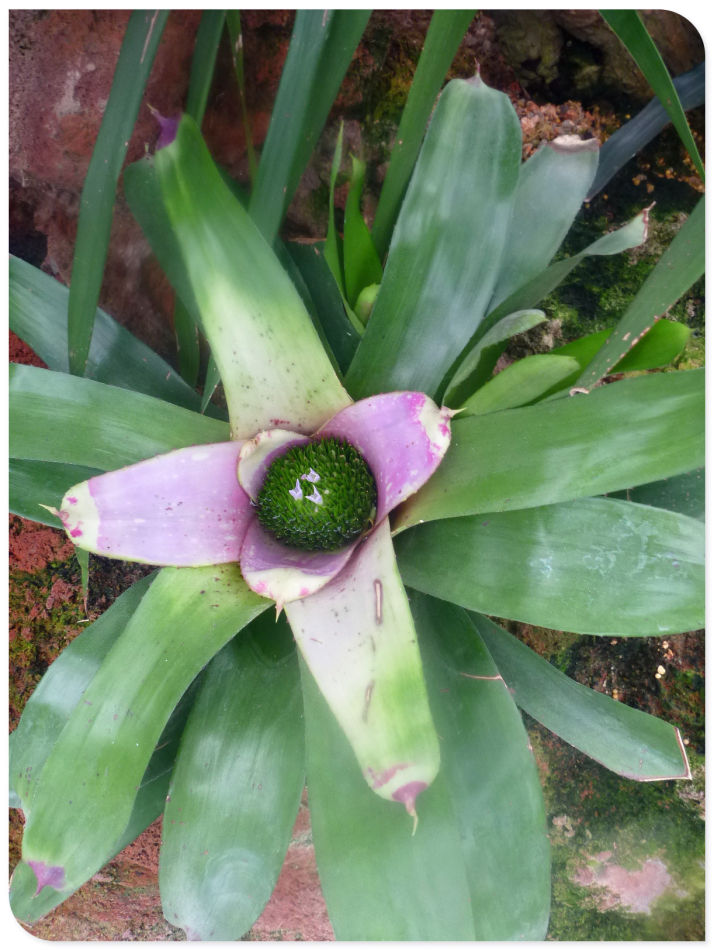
{"type": "Point", "coordinates": [318, 496]}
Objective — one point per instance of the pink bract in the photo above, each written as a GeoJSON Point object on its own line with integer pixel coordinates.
{"type": "Point", "coordinates": [192, 507]}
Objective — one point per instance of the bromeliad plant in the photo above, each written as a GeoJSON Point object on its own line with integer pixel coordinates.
{"type": "Point", "coordinates": [335, 481]}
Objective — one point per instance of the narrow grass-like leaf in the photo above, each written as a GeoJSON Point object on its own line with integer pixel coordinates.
{"type": "Point", "coordinates": [596, 565]}
{"type": "Point", "coordinates": [522, 382]}
{"type": "Point", "coordinates": [333, 251]}
{"type": "Point", "coordinates": [447, 244]}
{"type": "Point", "coordinates": [479, 362]}
{"type": "Point", "coordinates": [82, 799]}
{"type": "Point", "coordinates": [318, 317]}
{"type": "Point", "coordinates": [632, 137]}
{"type": "Point", "coordinates": [628, 26]}
{"type": "Point", "coordinates": [236, 787]}
{"type": "Point", "coordinates": [446, 30]}
{"type": "Point", "coordinates": [95, 216]}
{"type": "Point", "coordinates": [235, 35]}
{"type": "Point", "coordinates": [396, 885]}
{"type": "Point", "coordinates": [492, 777]}
{"type": "Point", "coordinates": [202, 67]}
{"type": "Point", "coordinates": [38, 314]}
{"type": "Point", "coordinates": [551, 189]}
{"type": "Point", "coordinates": [213, 379]}
{"type": "Point", "coordinates": [187, 343]}
{"type": "Point", "coordinates": [205, 52]}
{"type": "Point", "coordinates": [321, 49]}
{"type": "Point", "coordinates": [59, 418]}
{"type": "Point", "coordinates": [339, 331]}
{"type": "Point", "coordinates": [83, 561]}
{"type": "Point", "coordinates": [675, 272]}
{"type": "Point", "coordinates": [683, 493]}
{"type": "Point", "coordinates": [631, 432]}
{"type": "Point", "coordinates": [625, 740]}
{"type": "Point", "coordinates": [361, 262]}
{"type": "Point", "coordinates": [529, 294]}
{"type": "Point", "coordinates": [660, 345]}
{"type": "Point", "coordinates": [32, 485]}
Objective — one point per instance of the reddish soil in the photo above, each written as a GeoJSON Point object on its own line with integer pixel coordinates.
{"type": "Point", "coordinates": [122, 901]}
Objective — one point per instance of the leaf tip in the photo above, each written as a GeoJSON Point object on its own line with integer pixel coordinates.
{"type": "Point", "coordinates": [48, 875]}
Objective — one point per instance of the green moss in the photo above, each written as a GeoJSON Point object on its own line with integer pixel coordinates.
{"type": "Point", "coordinates": [598, 291]}
{"type": "Point", "coordinates": [45, 611]}
{"type": "Point", "coordinates": [600, 812]}
{"type": "Point", "coordinates": [552, 645]}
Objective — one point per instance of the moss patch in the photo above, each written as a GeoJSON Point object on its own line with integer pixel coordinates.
{"type": "Point", "coordinates": [597, 819]}
{"type": "Point", "coordinates": [46, 613]}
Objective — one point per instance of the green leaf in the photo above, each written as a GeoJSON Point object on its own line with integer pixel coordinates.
{"type": "Point", "coordinates": [597, 565]}
{"type": "Point", "coordinates": [530, 293]}
{"type": "Point", "coordinates": [361, 262]}
{"type": "Point", "coordinates": [151, 793]}
{"type": "Point", "coordinates": [83, 561]}
{"type": "Point", "coordinates": [627, 433]}
{"type": "Point", "coordinates": [270, 371]}
{"type": "Point", "coordinates": [59, 418]}
{"type": "Point", "coordinates": [479, 362]}
{"type": "Point", "coordinates": [202, 67]}
{"type": "Point", "coordinates": [95, 214]}
{"type": "Point", "coordinates": [236, 42]}
{"type": "Point", "coordinates": [522, 382]}
{"type": "Point", "coordinates": [630, 29]}
{"type": "Point", "coordinates": [45, 715]}
{"type": "Point", "coordinates": [675, 272]}
{"type": "Point", "coordinates": [60, 690]}
{"type": "Point", "coordinates": [481, 833]}
{"type": "Point", "coordinates": [682, 493]}
{"type": "Point", "coordinates": [213, 380]}
{"type": "Point", "coordinates": [632, 137]}
{"type": "Point", "coordinates": [82, 799]}
{"type": "Point", "coordinates": [187, 343]}
{"type": "Point", "coordinates": [332, 251]}
{"type": "Point", "coordinates": [236, 787]}
{"type": "Point", "coordinates": [321, 49]}
{"type": "Point", "coordinates": [34, 484]}
{"type": "Point", "coordinates": [341, 335]}
{"type": "Point", "coordinates": [205, 52]}
{"type": "Point", "coordinates": [551, 189]}
{"type": "Point", "coordinates": [142, 189]}
{"type": "Point", "coordinates": [38, 314]}
{"type": "Point", "coordinates": [661, 344]}
{"type": "Point", "coordinates": [447, 244]}
{"type": "Point", "coordinates": [625, 740]}
{"type": "Point", "coordinates": [446, 30]}
{"type": "Point", "coordinates": [395, 885]}
{"type": "Point", "coordinates": [491, 775]}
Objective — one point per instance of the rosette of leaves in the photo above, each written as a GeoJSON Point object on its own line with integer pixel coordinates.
{"type": "Point", "coordinates": [188, 698]}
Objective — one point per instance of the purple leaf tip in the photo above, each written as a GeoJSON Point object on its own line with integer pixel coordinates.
{"type": "Point", "coordinates": [407, 795]}
{"type": "Point", "coordinates": [48, 875]}
{"type": "Point", "coordinates": [168, 128]}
